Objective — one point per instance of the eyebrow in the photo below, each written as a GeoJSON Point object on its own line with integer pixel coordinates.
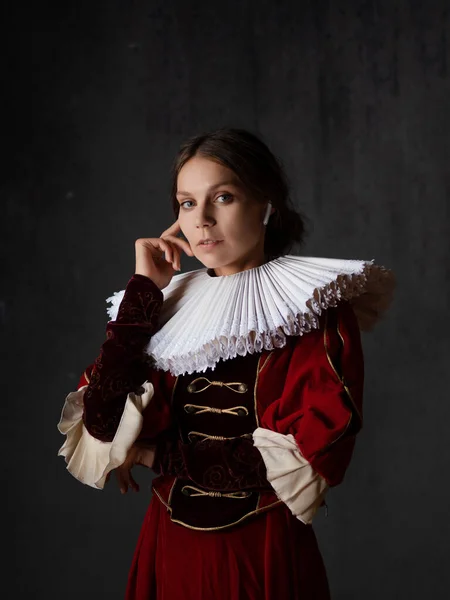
{"type": "Point", "coordinates": [212, 187]}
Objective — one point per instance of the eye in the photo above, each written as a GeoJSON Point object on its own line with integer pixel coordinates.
{"type": "Point", "coordinates": [229, 197]}
{"type": "Point", "coordinates": [183, 203]}
{"type": "Point", "coordinates": [225, 195]}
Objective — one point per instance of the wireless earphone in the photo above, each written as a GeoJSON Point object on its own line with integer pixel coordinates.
{"type": "Point", "coordinates": [267, 215]}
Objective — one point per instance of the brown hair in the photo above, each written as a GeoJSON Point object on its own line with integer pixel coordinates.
{"type": "Point", "coordinates": [261, 174]}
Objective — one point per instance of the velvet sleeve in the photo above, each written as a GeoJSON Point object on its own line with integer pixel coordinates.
{"type": "Point", "coordinates": [121, 366]}
{"type": "Point", "coordinates": [121, 399]}
{"type": "Point", "coordinates": [307, 435]}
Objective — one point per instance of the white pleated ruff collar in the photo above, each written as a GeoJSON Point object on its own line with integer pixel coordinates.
{"type": "Point", "coordinates": [205, 318]}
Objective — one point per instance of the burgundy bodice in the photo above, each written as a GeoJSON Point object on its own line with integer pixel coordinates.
{"type": "Point", "coordinates": [220, 473]}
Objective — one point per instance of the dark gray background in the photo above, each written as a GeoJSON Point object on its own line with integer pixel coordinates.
{"type": "Point", "coordinates": [354, 98]}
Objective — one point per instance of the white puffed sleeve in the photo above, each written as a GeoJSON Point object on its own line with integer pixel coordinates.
{"type": "Point", "coordinates": [88, 459]}
{"type": "Point", "coordinates": [292, 477]}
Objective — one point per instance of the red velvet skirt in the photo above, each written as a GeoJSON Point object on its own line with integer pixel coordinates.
{"type": "Point", "coordinates": [272, 556]}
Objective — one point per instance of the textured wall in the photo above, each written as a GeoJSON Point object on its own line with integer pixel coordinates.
{"type": "Point", "coordinates": [354, 97]}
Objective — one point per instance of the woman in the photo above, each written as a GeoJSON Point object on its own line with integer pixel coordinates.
{"type": "Point", "coordinates": [240, 384]}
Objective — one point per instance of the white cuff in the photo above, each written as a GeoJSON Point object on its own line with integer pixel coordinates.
{"type": "Point", "coordinates": [290, 474]}
{"type": "Point", "coordinates": [88, 459]}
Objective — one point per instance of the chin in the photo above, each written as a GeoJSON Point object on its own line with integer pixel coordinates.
{"type": "Point", "coordinates": [214, 259]}
{"type": "Point", "coordinates": [210, 264]}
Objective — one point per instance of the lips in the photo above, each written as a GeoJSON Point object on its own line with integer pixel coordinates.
{"type": "Point", "coordinates": [211, 242]}
{"type": "Point", "coordinates": [209, 247]}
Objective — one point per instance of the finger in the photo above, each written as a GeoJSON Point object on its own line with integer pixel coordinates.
{"type": "Point", "coordinates": [123, 486]}
{"type": "Point", "coordinates": [133, 484]}
{"type": "Point", "coordinates": [159, 245]}
{"type": "Point", "coordinates": [180, 243]}
{"type": "Point", "coordinates": [172, 254]}
{"type": "Point", "coordinates": [165, 247]}
{"type": "Point", "coordinates": [184, 244]}
{"type": "Point", "coordinates": [177, 259]}
{"type": "Point", "coordinates": [176, 255]}
{"type": "Point", "coordinates": [122, 480]}
{"type": "Point", "coordinates": [172, 230]}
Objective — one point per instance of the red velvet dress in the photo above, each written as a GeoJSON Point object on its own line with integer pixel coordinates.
{"type": "Point", "coordinates": [215, 529]}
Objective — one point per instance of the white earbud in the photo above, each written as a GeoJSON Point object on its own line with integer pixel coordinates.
{"type": "Point", "coordinates": [267, 215]}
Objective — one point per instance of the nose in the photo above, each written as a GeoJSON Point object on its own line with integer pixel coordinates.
{"type": "Point", "coordinates": [204, 218]}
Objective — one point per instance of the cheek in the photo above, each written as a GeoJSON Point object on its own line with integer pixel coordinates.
{"type": "Point", "coordinates": [243, 225]}
{"type": "Point", "coordinates": [186, 229]}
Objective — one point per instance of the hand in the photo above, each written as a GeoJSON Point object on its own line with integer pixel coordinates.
{"type": "Point", "coordinates": [150, 260]}
{"type": "Point", "coordinates": [136, 456]}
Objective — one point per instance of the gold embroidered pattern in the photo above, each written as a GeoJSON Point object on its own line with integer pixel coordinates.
{"type": "Point", "coordinates": [196, 409]}
{"type": "Point", "coordinates": [186, 490]}
{"type": "Point", "coordinates": [242, 387]}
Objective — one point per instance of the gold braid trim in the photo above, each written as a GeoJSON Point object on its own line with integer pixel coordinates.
{"type": "Point", "coordinates": [199, 492]}
{"type": "Point", "coordinates": [241, 389]}
{"type": "Point", "coordinates": [217, 437]}
{"type": "Point", "coordinates": [198, 410]}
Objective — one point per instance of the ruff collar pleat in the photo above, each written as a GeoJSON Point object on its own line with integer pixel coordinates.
{"type": "Point", "coordinates": [205, 318]}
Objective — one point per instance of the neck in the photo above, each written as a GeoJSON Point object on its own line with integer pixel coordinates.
{"type": "Point", "coordinates": [240, 265]}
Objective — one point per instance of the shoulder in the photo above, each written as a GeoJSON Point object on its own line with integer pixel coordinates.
{"type": "Point", "coordinates": [338, 327]}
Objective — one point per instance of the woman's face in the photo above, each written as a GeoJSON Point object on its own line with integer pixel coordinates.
{"type": "Point", "coordinates": [214, 204]}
